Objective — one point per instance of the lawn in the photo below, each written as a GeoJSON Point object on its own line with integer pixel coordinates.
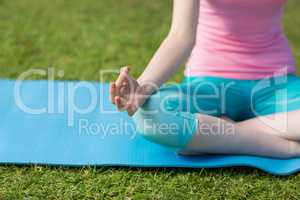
{"type": "Point", "coordinates": [83, 37]}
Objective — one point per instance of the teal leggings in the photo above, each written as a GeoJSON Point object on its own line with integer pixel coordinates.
{"type": "Point", "coordinates": [168, 117]}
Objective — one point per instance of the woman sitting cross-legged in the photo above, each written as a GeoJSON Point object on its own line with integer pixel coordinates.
{"type": "Point", "coordinates": [240, 94]}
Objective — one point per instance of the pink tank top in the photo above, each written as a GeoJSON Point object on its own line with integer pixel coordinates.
{"type": "Point", "coordinates": [241, 39]}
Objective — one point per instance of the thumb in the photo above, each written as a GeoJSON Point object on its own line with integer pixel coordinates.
{"type": "Point", "coordinates": [123, 76]}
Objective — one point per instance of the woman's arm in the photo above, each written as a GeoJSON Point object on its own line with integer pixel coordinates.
{"type": "Point", "coordinates": [176, 47]}
{"type": "Point", "coordinates": [129, 94]}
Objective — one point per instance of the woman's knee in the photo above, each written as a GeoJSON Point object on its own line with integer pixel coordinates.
{"type": "Point", "coordinates": [161, 125]}
{"type": "Point", "coordinates": [149, 120]}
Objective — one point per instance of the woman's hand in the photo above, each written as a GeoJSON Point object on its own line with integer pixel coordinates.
{"type": "Point", "coordinates": [126, 92]}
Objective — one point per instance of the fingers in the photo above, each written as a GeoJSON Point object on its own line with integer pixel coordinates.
{"type": "Point", "coordinates": [114, 91]}
{"type": "Point", "coordinates": [117, 88]}
{"type": "Point", "coordinates": [123, 105]}
{"type": "Point", "coordinates": [120, 103]}
{"type": "Point", "coordinates": [123, 82]}
{"type": "Point", "coordinates": [123, 77]}
{"type": "Point", "coordinates": [118, 91]}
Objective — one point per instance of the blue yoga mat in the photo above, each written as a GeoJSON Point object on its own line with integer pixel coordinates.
{"type": "Point", "coordinates": [59, 123]}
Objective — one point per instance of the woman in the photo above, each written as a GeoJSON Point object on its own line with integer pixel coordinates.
{"type": "Point", "coordinates": [240, 94]}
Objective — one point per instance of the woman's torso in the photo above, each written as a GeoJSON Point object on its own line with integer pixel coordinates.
{"type": "Point", "coordinates": [240, 39]}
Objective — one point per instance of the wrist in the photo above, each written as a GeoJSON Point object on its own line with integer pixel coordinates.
{"type": "Point", "coordinates": [147, 87]}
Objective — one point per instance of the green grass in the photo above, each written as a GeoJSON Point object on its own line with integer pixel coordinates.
{"type": "Point", "coordinates": [83, 37]}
